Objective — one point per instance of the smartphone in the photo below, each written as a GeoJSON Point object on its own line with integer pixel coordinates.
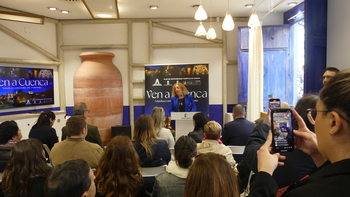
{"type": "Point", "coordinates": [282, 130]}
{"type": "Point", "coordinates": [274, 103]}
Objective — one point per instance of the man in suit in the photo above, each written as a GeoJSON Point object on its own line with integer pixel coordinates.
{"type": "Point", "coordinates": [237, 132]}
{"type": "Point", "coordinates": [93, 135]}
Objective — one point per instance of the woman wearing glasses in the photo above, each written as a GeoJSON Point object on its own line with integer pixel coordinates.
{"type": "Point", "coordinates": [329, 147]}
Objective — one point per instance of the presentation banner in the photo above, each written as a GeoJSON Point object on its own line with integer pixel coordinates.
{"type": "Point", "coordinates": [159, 80]}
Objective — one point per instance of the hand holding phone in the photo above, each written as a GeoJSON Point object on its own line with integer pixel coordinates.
{"type": "Point", "coordinates": [282, 130]}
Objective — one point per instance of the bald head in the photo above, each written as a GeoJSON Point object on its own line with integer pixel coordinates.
{"type": "Point", "coordinates": [238, 111]}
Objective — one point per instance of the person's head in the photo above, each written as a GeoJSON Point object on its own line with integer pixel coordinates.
{"type": "Point", "coordinates": [46, 118]}
{"type": "Point", "coordinates": [328, 73]}
{"type": "Point", "coordinates": [238, 111]}
{"type": "Point", "coordinates": [212, 130]}
{"type": "Point", "coordinates": [118, 172]}
{"type": "Point", "coordinates": [179, 89]}
{"type": "Point", "coordinates": [211, 175]}
{"type": "Point", "coordinates": [76, 126]}
{"type": "Point", "coordinates": [81, 109]}
{"type": "Point", "coordinates": [73, 178]}
{"type": "Point", "coordinates": [27, 160]}
{"type": "Point", "coordinates": [332, 123]}
{"type": "Point", "coordinates": [306, 102]}
{"type": "Point", "coordinates": [158, 118]}
{"type": "Point", "coordinates": [144, 132]}
{"type": "Point", "coordinates": [9, 131]}
{"type": "Point", "coordinates": [199, 120]}
{"type": "Point", "coordinates": [258, 121]}
{"type": "Point", "coordinates": [185, 149]}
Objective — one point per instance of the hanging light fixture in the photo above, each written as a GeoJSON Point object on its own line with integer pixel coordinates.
{"type": "Point", "coordinates": [200, 30]}
{"type": "Point", "coordinates": [211, 35]}
{"type": "Point", "coordinates": [200, 14]}
{"type": "Point", "coordinates": [254, 20]}
{"type": "Point", "coordinates": [228, 24]}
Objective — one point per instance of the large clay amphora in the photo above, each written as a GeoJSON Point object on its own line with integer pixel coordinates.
{"type": "Point", "coordinates": [98, 83]}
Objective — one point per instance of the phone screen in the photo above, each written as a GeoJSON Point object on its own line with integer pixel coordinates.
{"type": "Point", "coordinates": [281, 125]}
{"type": "Point", "coordinates": [274, 103]}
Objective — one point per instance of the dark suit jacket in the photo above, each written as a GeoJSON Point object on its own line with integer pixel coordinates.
{"type": "Point", "coordinates": [47, 135]}
{"type": "Point", "coordinates": [328, 180]}
{"type": "Point", "coordinates": [190, 106]}
{"type": "Point", "coordinates": [296, 165]}
{"type": "Point", "coordinates": [93, 135]}
{"type": "Point", "coordinates": [237, 132]}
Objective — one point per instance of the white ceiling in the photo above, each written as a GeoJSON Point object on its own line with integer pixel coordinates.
{"type": "Point", "coordinates": [140, 8]}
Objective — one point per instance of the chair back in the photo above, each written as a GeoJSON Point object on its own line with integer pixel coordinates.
{"type": "Point", "coordinates": [237, 150]}
{"type": "Point", "coordinates": [152, 171]}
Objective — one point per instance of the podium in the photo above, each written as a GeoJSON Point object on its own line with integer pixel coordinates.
{"type": "Point", "coordinates": [183, 123]}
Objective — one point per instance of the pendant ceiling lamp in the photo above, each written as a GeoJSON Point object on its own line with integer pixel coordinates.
{"type": "Point", "coordinates": [211, 35]}
{"type": "Point", "coordinates": [200, 30]}
{"type": "Point", "coordinates": [228, 24]}
{"type": "Point", "coordinates": [200, 14]}
{"type": "Point", "coordinates": [254, 20]}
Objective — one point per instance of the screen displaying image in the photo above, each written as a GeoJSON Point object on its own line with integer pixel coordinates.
{"type": "Point", "coordinates": [274, 104]}
{"type": "Point", "coordinates": [21, 87]}
{"type": "Point", "coordinates": [283, 131]}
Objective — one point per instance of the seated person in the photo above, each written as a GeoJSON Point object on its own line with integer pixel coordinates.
{"type": "Point", "coordinates": [211, 175]}
{"type": "Point", "coordinates": [118, 172]}
{"type": "Point", "coordinates": [10, 134]}
{"type": "Point", "coordinates": [75, 146]}
{"type": "Point", "coordinates": [93, 134]}
{"type": "Point", "coordinates": [159, 123]}
{"type": "Point", "coordinates": [212, 131]}
{"type": "Point", "coordinates": [199, 120]}
{"type": "Point", "coordinates": [26, 171]}
{"type": "Point", "coordinates": [73, 178]}
{"type": "Point", "coordinates": [172, 181]}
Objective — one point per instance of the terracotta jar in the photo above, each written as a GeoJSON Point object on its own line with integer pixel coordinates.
{"type": "Point", "coordinates": [98, 83]}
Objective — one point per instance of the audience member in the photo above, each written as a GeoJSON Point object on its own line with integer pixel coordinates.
{"type": "Point", "coordinates": [328, 73]}
{"type": "Point", "coordinates": [298, 164]}
{"type": "Point", "coordinates": [152, 152]}
{"type": "Point", "coordinates": [172, 182]}
{"type": "Point", "coordinates": [9, 135]}
{"type": "Point", "coordinates": [328, 147]}
{"type": "Point", "coordinates": [118, 172]}
{"type": "Point", "coordinates": [258, 121]}
{"type": "Point", "coordinates": [211, 175]}
{"type": "Point", "coordinates": [212, 131]}
{"type": "Point", "coordinates": [75, 146]}
{"type": "Point", "coordinates": [93, 135]}
{"type": "Point", "coordinates": [43, 131]}
{"type": "Point", "coordinates": [73, 178]}
{"type": "Point", "coordinates": [26, 170]}
{"type": "Point", "coordinates": [161, 131]}
{"type": "Point", "coordinates": [237, 132]}
{"type": "Point", "coordinates": [199, 120]}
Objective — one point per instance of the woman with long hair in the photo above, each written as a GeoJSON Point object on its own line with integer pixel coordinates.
{"type": "Point", "coordinates": [172, 181]}
{"type": "Point", "coordinates": [328, 146]}
{"type": "Point", "coordinates": [118, 172]}
{"type": "Point", "coordinates": [199, 120]}
{"type": "Point", "coordinates": [181, 100]}
{"type": "Point", "coordinates": [211, 175]}
{"type": "Point", "coordinates": [161, 131]}
{"type": "Point", "coordinates": [42, 129]}
{"type": "Point", "coordinates": [26, 171]}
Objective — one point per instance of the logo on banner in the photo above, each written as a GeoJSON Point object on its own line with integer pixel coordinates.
{"type": "Point", "coordinates": [156, 83]}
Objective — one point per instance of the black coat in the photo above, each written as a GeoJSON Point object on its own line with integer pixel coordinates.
{"type": "Point", "coordinates": [296, 165]}
{"type": "Point", "coordinates": [4, 157]}
{"type": "Point", "coordinates": [237, 132]}
{"type": "Point", "coordinates": [161, 154]}
{"type": "Point", "coordinates": [328, 180]}
{"type": "Point", "coordinates": [46, 134]}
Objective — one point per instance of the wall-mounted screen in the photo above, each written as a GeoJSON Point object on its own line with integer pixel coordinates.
{"type": "Point", "coordinates": [20, 87]}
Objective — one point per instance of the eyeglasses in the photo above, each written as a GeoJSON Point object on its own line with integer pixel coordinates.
{"type": "Point", "coordinates": [311, 111]}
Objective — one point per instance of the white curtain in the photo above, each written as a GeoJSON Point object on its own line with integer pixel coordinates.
{"type": "Point", "coordinates": [255, 73]}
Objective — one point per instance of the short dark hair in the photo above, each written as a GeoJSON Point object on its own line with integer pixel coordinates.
{"type": "Point", "coordinates": [8, 129]}
{"type": "Point", "coordinates": [79, 108]}
{"type": "Point", "coordinates": [72, 178]}
{"type": "Point", "coordinates": [75, 124]}
{"type": "Point", "coordinates": [333, 69]}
